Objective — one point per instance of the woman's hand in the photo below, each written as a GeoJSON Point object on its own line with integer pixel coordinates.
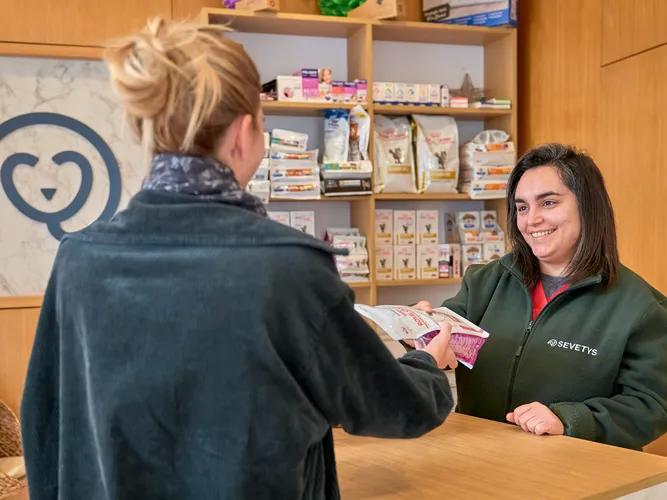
{"type": "Point", "coordinates": [537, 419]}
{"type": "Point", "coordinates": [424, 305]}
{"type": "Point", "coordinates": [439, 348]}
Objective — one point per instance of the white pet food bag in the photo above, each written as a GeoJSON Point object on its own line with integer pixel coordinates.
{"type": "Point", "coordinates": [394, 164]}
{"type": "Point", "coordinates": [437, 148]}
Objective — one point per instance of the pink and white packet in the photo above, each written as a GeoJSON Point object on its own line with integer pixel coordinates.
{"type": "Point", "coordinates": [408, 323]}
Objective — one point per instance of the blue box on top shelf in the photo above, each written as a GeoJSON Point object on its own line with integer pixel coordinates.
{"type": "Point", "coordinates": [472, 12]}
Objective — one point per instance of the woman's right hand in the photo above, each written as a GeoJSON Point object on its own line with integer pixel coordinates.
{"type": "Point", "coordinates": [439, 348]}
{"type": "Point", "coordinates": [424, 305]}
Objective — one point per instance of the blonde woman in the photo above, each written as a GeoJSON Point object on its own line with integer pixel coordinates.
{"type": "Point", "coordinates": [191, 347]}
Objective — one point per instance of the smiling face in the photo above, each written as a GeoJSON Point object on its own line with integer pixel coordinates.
{"type": "Point", "coordinates": [548, 218]}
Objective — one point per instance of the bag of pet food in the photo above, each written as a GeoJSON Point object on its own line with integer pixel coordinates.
{"type": "Point", "coordinates": [437, 152]}
{"type": "Point", "coordinates": [394, 164]}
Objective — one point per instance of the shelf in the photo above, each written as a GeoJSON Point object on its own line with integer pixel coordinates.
{"type": "Point", "coordinates": [277, 23]}
{"type": "Point", "coordinates": [459, 113]}
{"type": "Point", "coordinates": [410, 31]}
{"type": "Point", "coordinates": [421, 196]}
{"type": "Point", "coordinates": [365, 284]}
{"type": "Point", "coordinates": [361, 197]}
{"type": "Point", "coordinates": [438, 282]}
{"type": "Point", "coordinates": [287, 108]}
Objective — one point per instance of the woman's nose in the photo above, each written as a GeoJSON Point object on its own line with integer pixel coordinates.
{"type": "Point", "coordinates": [534, 217]}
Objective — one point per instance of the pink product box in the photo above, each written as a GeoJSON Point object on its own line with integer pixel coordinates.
{"type": "Point", "coordinates": [349, 91]}
{"type": "Point", "coordinates": [337, 91]}
{"type": "Point", "coordinates": [310, 83]}
{"type": "Point", "coordinates": [362, 90]}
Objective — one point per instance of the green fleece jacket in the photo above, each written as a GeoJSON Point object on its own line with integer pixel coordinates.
{"type": "Point", "coordinates": [597, 358]}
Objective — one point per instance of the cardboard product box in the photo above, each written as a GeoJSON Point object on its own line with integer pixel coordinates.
{"type": "Point", "coordinates": [469, 173]}
{"type": "Point", "coordinates": [444, 260]}
{"type": "Point", "coordinates": [484, 190]}
{"type": "Point", "coordinates": [270, 5]}
{"type": "Point", "coordinates": [470, 236]}
{"type": "Point", "coordinates": [472, 12]}
{"type": "Point", "coordinates": [488, 219]}
{"type": "Point", "coordinates": [304, 221]}
{"type": "Point", "coordinates": [494, 235]}
{"type": "Point", "coordinates": [289, 88]}
{"type": "Point", "coordinates": [267, 144]}
{"type": "Point", "coordinates": [451, 229]}
{"type": "Point", "coordinates": [281, 217]}
{"type": "Point", "coordinates": [404, 262]}
{"type": "Point", "coordinates": [427, 227]}
{"type": "Point", "coordinates": [434, 94]}
{"type": "Point", "coordinates": [455, 269]}
{"type": "Point", "coordinates": [384, 262]}
{"type": "Point", "coordinates": [400, 93]}
{"type": "Point", "coordinates": [362, 90]}
{"type": "Point", "coordinates": [492, 251]}
{"type": "Point", "coordinates": [404, 227]}
{"type": "Point", "coordinates": [468, 219]}
{"type": "Point", "coordinates": [423, 93]}
{"type": "Point", "coordinates": [384, 224]}
{"type": "Point", "coordinates": [427, 262]}
{"type": "Point", "coordinates": [444, 96]}
{"type": "Point", "coordinates": [471, 254]}
{"type": "Point", "coordinates": [411, 93]}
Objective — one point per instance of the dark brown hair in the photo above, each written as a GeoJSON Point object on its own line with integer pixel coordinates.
{"type": "Point", "coordinates": [596, 251]}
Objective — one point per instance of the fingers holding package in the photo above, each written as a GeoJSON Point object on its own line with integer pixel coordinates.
{"type": "Point", "coordinates": [537, 419]}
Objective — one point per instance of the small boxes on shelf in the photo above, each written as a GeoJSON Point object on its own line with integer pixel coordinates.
{"type": "Point", "coordinates": [353, 268]}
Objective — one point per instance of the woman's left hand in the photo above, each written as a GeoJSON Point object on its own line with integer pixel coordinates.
{"type": "Point", "coordinates": [537, 419]}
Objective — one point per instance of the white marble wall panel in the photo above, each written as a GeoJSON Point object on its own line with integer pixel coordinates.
{"type": "Point", "coordinates": [74, 89]}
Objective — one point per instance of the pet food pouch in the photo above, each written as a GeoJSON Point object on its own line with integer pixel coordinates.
{"type": "Point", "coordinates": [394, 164]}
{"type": "Point", "coordinates": [437, 151]}
{"type": "Point", "coordinates": [408, 323]}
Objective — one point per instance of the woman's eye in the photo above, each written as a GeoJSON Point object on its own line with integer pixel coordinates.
{"type": "Point", "coordinates": [549, 203]}
{"type": "Point", "coordinates": [521, 209]}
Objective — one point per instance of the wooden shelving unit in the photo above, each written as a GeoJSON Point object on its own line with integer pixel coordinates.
{"type": "Point", "coordinates": [500, 79]}
{"type": "Point", "coordinates": [438, 282]}
{"type": "Point", "coordinates": [301, 108]}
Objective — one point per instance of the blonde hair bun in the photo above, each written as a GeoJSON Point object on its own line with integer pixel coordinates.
{"type": "Point", "coordinates": [182, 83]}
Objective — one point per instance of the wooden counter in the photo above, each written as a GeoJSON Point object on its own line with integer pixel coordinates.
{"type": "Point", "coordinates": [469, 457]}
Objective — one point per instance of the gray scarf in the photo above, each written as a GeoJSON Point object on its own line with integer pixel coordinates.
{"type": "Point", "coordinates": [199, 176]}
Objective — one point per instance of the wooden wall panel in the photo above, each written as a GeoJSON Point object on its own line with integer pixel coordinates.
{"type": "Point", "coordinates": [632, 26]}
{"type": "Point", "coordinates": [634, 159]}
{"type": "Point", "coordinates": [559, 71]}
{"type": "Point", "coordinates": [190, 8]}
{"type": "Point", "coordinates": [75, 22]}
{"type": "Point", "coordinates": [17, 331]}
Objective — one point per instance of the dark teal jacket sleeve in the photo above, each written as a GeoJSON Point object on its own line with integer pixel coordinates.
{"type": "Point", "coordinates": [638, 413]}
{"type": "Point", "coordinates": [357, 383]}
{"type": "Point", "coordinates": [39, 415]}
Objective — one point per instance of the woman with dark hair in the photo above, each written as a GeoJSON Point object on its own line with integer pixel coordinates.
{"type": "Point", "coordinates": [578, 342]}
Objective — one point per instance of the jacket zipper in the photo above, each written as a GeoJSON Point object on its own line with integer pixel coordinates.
{"type": "Point", "coordinates": [527, 331]}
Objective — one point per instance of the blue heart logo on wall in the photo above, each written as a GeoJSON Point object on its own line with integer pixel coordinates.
{"type": "Point", "coordinates": [53, 220]}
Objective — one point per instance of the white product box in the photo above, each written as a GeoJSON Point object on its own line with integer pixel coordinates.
{"type": "Point", "coordinates": [400, 93]}
{"type": "Point", "coordinates": [404, 227]}
{"type": "Point", "coordinates": [304, 221]}
{"type": "Point", "coordinates": [384, 262]}
{"type": "Point", "coordinates": [434, 94]}
{"type": "Point", "coordinates": [411, 93]}
{"type": "Point", "coordinates": [488, 219]}
{"type": "Point", "coordinates": [289, 88]}
{"type": "Point", "coordinates": [455, 270]}
{"type": "Point", "coordinates": [423, 93]}
{"type": "Point", "coordinates": [445, 263]}
{"type": "Point", "coordinates": [404, 262]}
{"type": "Point", "coordinates": [468, 220]}
{"type": "Point", "coordinates": [427, 227]}
{"type": "Point", "coordinates": [267, 144]}
{"type": "Point", "coordinates": [471, 254]}
{"type": "Point", "coordinates": [470, 236]}
{"type": "Point", "coordinates": [444, 96]}
{"type": "Point", "coordinates": [427, 262]}
{"type": "Point", "coordinates": [282, 217]}
{"type": "Point", "coordinates": [451, 229]}
{"type": "Point", "coordinates": [384, 223]}
{"type": "Point", "coordinates": [485, 190]}
{"type": "Point", "coordinates": [383, 92]}
{"type": "Point", "coordinates": [492, 251]}
{"type": "Point", "coordinates": [495, 235]}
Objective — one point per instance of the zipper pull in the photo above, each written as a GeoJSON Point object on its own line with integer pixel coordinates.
{"type": "Point", "coordinates": [518, 351]}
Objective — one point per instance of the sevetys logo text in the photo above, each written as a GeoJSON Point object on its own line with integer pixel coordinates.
{"type": "Point", "coordinates": [573, 347]}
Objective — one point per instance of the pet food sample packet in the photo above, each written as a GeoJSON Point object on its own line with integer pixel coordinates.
{"type": "Point", "coordinates": [408, 323]}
